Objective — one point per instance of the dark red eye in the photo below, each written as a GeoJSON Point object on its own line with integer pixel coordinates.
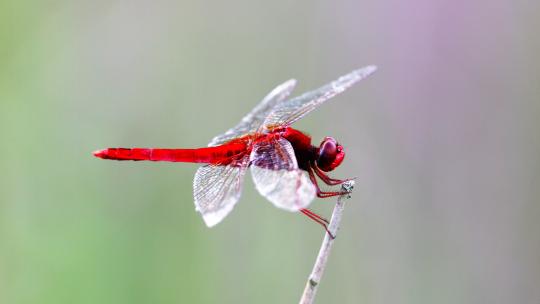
{"type": "Point", "coordinates": [330, 154]}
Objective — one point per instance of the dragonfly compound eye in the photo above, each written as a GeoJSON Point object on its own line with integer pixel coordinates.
{"type": "Point", "coordinates": [331, 154]}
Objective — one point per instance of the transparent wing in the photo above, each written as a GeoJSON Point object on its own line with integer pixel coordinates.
{"type": "Point", "coordinates": [285, 113]}
{"type": "Point", "coordinates": [252, 121]}
{"type": "Point", "coordinates": [277, 177]}
{"type": "Point", "coordinates": [216, 189]}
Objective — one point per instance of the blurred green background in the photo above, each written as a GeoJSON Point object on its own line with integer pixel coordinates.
{"type": "Point", "coordinates": [444, 140]}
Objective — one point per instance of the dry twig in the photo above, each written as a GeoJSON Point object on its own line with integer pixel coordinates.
{"type": "Point", "coordinates": [320, 263]}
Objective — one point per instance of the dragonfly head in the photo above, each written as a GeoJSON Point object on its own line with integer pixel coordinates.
{"type": "Point", "coordinates": [330, 154]}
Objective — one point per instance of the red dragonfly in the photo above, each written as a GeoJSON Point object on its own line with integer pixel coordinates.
{"type": "Point", "coordinates": [283, 162]}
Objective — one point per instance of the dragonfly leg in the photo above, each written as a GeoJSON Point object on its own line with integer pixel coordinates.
{"type": "Point", "coordinates": [320, 193]}
{"type": "Point", "coordinates": [327, 179]}
{"type": "Point", "coordinates": [307, 211]}
{"type": "Point", "coordinates": [318, 219]}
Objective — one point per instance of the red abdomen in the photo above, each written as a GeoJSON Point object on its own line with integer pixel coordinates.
{"type": "Point", "coordinates": [212, 155]}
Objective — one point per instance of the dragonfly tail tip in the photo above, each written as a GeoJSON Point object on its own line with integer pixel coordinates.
{"type": "Point", "coordinates": [99, 153]}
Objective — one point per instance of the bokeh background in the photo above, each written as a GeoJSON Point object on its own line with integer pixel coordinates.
{"type": "Point", "coordinates": [444, 140]}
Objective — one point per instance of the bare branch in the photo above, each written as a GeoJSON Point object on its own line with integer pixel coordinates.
{"type": "Point", "coordinates": [320, 263]}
